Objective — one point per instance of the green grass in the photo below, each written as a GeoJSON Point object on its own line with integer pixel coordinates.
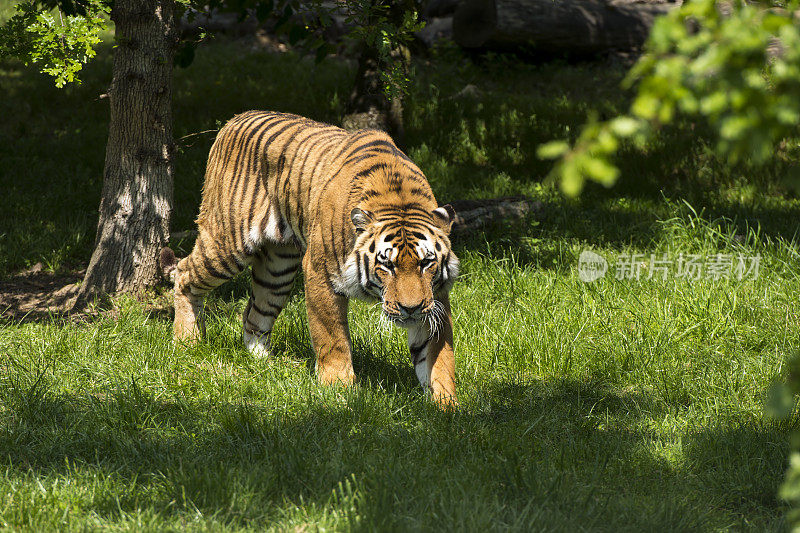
{"type": "Point", "coordinates": [617, 406]}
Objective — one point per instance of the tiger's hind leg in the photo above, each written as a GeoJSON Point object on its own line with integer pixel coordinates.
{"type": "Point", "coordinates": [274, 269]}
{"type": "Point", "coordinates": [207, 267]}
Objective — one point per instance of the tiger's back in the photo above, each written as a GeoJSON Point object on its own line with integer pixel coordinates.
{"type": "Point", "coordinates": [281, 190]}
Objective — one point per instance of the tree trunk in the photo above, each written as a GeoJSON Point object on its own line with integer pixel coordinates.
{"type": "Point", "coordinates": [369, 107]}
{"type": "Point", "coordinates": [578, 26]}
{"type": "Point", "coordinates": [136, 201]}
{"type": "Point", "coordinates": [472, 215]}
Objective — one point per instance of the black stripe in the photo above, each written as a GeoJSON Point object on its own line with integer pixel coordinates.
{"type": "Point", "coordinates": [201, 287]}
{"type": "Point", "coordinates": [262, 228]}
{"type": "Point", "coordinates": [333, 247]}
{"type": "Point", "coordinates": [268, 285]}
{"type": "Point", "coordinates": [281, 227]}
{"type": "Point", "coordinates": [370, 169]}
{"type": "Point", "coordinates": [354, 137]}
{"type": "Point", "coordinates": [293, 167]}
{"type": "Point", "coordinates": [255, 128]}
{"type": "Point", "coordinates": [303, 176]}
{"type": "Point", "coordinates": [287, 256]}
{"type": "Point", "coordinates": [378, 142]}
{"type": "Point", "coordinates": [421, 192]}
{"type": "Point", "coordinates": [370, 283]}
{"type": "Point", "coordinates": [416, 351]}
{"type": "Point", "coordinates": [290, 270]}
{"type": "Point", "coordinates": [413, 207]}
{"type": "Point", "coordinates": [359, 157]}
{"type": "Point", "coordinates": [250, 215]}
{"type": "Point", "coordinates": [439, 281]}
{"type": "Point", "coordinates": [280, 164]}
{"type": "Point", "coordinates": [369, 193]}
{"type": "Point", "coordinates": [281, 293]}
{"type": "Point", "coordinates": [231, 270]}
{"type": "Point", "coordinates": [254, 162]}
{"type": "Point", "coordinates": [208, 265]}
{"type": "Point", "coordinates": [255, 330]}
{"type": "Point", "coordinates": [262, 312]}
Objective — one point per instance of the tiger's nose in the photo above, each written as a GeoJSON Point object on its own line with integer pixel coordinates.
{"type": "Point", "coordinates": [410, 310]}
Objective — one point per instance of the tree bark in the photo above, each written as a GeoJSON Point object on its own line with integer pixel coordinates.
{"type": "Point", "coordinates": [136, 200]}
{"type": "Point", "coordinates": [578, 26]}
{"type": "Point", "coordinates": [369, 107]}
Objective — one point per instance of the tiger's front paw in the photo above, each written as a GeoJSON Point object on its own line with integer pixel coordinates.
{"type": "Point", "coordinates": [258, 347]}
{"type": "Point", "coordinates": [328, 375]}
{"type": "Point", "coordinates": [445, 402]}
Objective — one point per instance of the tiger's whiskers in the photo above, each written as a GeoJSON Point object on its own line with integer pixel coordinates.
{"type": "Point", "coordinates": [435, 319]}
{"type": "Point", "coordinates": [385, 323]}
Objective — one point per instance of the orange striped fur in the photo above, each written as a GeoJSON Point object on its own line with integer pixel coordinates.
{"type": "Point", "coordinates": [284, 192]}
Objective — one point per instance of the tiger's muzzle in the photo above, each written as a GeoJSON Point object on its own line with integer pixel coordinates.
{"type": "Point", "coordinates": [401, 314]}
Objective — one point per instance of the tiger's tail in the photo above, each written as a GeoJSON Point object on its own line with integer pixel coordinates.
{"type": "Point", "coordinates": [168, 263]}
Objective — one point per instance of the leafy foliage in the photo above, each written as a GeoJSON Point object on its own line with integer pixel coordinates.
{"type": "Point", "coordinates": [59, 38]}
{"type": "Point", "coordinates": [385, 27]}
{"type": "Point", "coordinates": [60, 35]}
{"type": "Point", "coordinates": [734, 66]}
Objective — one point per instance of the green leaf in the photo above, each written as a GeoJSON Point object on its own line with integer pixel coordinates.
{"type": "Point", "coordinates": [624, 126]}
{"type": "Point", "coordinates": [645, 106]}
{"type": "Point", "coordinates": [571, 180]}
{"type": "Point", "coordinates": [600, 170]}
{"type": "Point", "coordinates": [552, 149]}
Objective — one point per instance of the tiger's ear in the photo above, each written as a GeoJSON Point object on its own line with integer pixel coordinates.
{"type": "Point", "coordinates": [361, 219]}
{"type": "Point", "coordinates": [444, 217]}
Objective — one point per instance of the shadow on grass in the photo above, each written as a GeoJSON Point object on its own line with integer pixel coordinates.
{"type": "Point", "coordinates": [565, 455]}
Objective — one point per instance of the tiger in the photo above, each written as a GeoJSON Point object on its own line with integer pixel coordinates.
{"type": "Point", "coordinates": [283, 192]}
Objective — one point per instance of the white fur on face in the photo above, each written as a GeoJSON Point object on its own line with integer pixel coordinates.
{"type": "Point", "coordinates": [424, 248]}
{"type": "Point", "coordinates": [452, 266]}
{"type": "Point", "coordinates": [385, 250]}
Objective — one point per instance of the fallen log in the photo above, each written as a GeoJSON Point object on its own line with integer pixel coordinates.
{"type": "Point", "coordinates": [471, 215]}
{"type": "Point", "coordinates": [576, 26]}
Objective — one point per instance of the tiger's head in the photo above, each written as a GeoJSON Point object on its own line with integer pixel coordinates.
{"type": "Point", "coordinates": [403, 258]}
